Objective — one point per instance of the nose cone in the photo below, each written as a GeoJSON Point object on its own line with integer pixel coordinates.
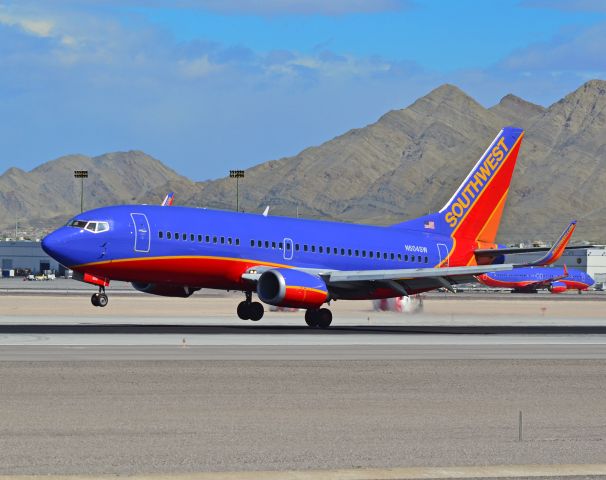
{"type": "Point", "coordinates": [588, 280]}
{"type": "Point", "coordinates": [58, 246]}
{"type": "Point", "coordinates": [54, 245]}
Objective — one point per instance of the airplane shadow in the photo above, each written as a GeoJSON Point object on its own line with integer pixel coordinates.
{"type": "Point", "coordinates": [248, 329]}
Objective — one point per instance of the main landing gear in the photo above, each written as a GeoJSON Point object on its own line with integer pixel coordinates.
{"type": "Point", "coordinates": [249, 310]}
{"type": "Point", "coordinates": [99, 299]}
{"type": "Point", "coordinates": [321, 318]}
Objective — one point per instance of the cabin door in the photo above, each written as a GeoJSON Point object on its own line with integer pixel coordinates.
{"type": "Point", "coordinates": [443, 253]}
{"type": "Point", "coordinates": [142, 237]}
{"type": "Point", "coordinates": [288, 249]}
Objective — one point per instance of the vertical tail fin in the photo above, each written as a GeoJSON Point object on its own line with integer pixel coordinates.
{"type": "Point", "coordinates": [474, 212]}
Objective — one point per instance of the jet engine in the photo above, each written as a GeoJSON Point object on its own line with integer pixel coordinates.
{"type": "Point", "coordinates": [285, 287]}
{"type": "Point", "coordinates": [557, 287]}
{"type": "Point", "coordinates": [164, 289]}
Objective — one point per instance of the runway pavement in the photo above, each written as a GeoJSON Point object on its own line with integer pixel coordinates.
{"type": "Point", "coordinates": [172, 386]}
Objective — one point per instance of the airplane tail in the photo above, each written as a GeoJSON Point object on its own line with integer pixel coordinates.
{"type": "Point", "coordinates": [474, 212]}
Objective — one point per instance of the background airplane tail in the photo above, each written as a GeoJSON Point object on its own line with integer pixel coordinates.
{"type": "Point", "coordinates": [474, 211]}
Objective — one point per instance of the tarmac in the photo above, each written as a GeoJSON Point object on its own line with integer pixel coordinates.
{"type": "Point", "coordinates": [154, 386]}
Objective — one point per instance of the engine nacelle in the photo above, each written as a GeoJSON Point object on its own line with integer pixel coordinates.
{"type": "Point", "coordinates": [558, 287]}
{"type": "Point", "coordinates": [164, 289]}
{"type": "Point", "coordinates": [286, 287]}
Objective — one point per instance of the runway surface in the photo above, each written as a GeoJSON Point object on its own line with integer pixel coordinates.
{"type": "Point", "coordinates": [177, 386]}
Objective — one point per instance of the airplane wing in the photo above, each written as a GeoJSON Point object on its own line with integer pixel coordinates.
{"type": "Point", "coordinates": [553, 254]}
{"type": "Point", "coordinates": [168, 200]}
{"type": "Point", "coordinates": [401, 280]}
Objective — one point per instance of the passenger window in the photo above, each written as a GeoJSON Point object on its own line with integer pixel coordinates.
{"type": "Point", "coordinates": [237, 241]}
{"type": "Point", "coordinates": [313, 249]}
{"type": "Point", "coordinates": [229, 240]}
{"type": "Point", "coordinates": [364, 253]}
{"type": "Point", "coordinates": [349, 252]}
{"type": "Point", "coordinates": [335, 250]}
{"type": "Point", "coordinates": [305, 248]}
{"type": "Point", "coordinates": [426, 260]}
{"type": "Point", "coordinates": [266, 244]}
{"type": "Point", "coordinates": [252, 243]}
{"type": "Point", "coordinates": [200, 238]}
{"type": "Point", "coordinates": [370, 254]}
{"type": "Point", "coordinates": [160, 234]}
{"type": "Point", "coordinates": [207, 238]}
{"type": "Point", "coordinates": [168, 235]}
{"type": "Point", "coordinates": [406, 258]}
{"type": "Point", "coordinates": [222, 240]}
{"type": "Point", "coordinates": [288, 246]}
{"type": "Point", "coordinates": [392, 256]}
{"type": "Point", "coordinates": [357, 253]}
{"type": "Point", "coordinates": [342, 251]}
{"type": "Point", "coordinates": [273, 244]}
{"type": "Point", "coordinates": [259, 243]}
{"type": "Point", "coordinates": [297, 247]}
{"type": "Point", "coordinates": [214, 239]}
{"type": "Point", "coordinates": [184, 236]}
{"type": "Point", "coordinates": [280, 245]}
{"type": "Point", "coordinates": [378, 254]}
{"type": "Point", "coordinates": [192, 237]}
{"type": "Point", "coordinates": [399, 256]}
{"type": "Point", "coordinates": [176, 235]}
{"type": "Point", "coordinates": [320, 249]}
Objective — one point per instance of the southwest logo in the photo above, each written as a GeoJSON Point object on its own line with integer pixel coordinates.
{"type": "Point", "coordinates": [476, 183]}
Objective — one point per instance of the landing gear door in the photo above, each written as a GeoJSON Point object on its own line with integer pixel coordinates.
{"type": "Point", "coordinates": [142, 236]}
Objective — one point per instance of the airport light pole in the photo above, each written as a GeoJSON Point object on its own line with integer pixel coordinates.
{"type": "Point", "coordinates": [237, 174]}
{"type": "Point", "coordinates": [81, 174]}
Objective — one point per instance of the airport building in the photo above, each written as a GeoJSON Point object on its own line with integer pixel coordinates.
{"type": "Point", "coordinates": [25, 255]}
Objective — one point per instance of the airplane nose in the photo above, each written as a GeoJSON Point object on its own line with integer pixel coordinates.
{"type": "Point", "coordinates": [54, 246]}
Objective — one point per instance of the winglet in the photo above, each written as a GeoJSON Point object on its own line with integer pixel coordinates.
{"type": "Point", "coordinates": [266, 211]}
{"type": "Point", "coordinates": [557, 250]}
{"type": "Point", "coordinates": [168, 200]}
{"type": "Point", "coordinates": [565, 270]}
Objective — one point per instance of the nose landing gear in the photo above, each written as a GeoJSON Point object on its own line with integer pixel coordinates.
{"type": "Point", "coordinates": [249, 310]}
{"type": "Point", "coordinates": [99, 299]}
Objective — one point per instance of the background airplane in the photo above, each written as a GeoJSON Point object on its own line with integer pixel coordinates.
{"type": "Point", "coordinates": [529, 280]}
{"type": "Point", "coordinates": [295, 262]}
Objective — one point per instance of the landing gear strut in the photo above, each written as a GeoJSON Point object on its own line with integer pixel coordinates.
{"type": "Point", "coordinates": [249, 310]}
{"type": "Point", "coordinates": [321, 318]}
{"type": "Point", "coordinates": [99, 299]}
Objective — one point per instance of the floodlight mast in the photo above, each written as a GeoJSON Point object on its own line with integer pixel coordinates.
{"type": "Point", "coordinates": [81, 174]}
{"type": "Point", "coordinates": [237, 174]}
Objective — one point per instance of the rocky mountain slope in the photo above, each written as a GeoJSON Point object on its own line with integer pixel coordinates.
{"type": "Point", "coordinates": [406, 164]}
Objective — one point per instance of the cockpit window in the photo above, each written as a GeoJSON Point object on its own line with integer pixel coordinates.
{"type": "Point", "coordinates": [78, 223]}
{"type": "Point", "coordinates": [95, 227]}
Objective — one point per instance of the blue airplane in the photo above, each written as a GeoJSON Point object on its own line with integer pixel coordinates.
{"type": "Point", "coordinates": [529, 280]}
{"type": "Point", "coordinates": [175, 251]}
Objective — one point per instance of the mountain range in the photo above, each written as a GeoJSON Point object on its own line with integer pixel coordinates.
{"type": "Point", "coordinates": [406, 164]}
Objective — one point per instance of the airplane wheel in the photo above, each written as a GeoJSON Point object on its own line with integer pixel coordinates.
{"type": "Point", "coordinates": [311, 318]}
{"type": "Point", "coordinates": [94, 299]}
{"type": "Point", "coordinates": [256, 311]}
{"type": "Point", "coordinates": [244, 310]}
{"type": "Point", "coordinates": [324, 318]}
{"type": "Point", "coordinates": [102, 300]}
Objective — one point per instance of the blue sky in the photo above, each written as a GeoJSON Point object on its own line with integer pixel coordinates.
{"type": "Point", "coordinates": [211, 85]}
